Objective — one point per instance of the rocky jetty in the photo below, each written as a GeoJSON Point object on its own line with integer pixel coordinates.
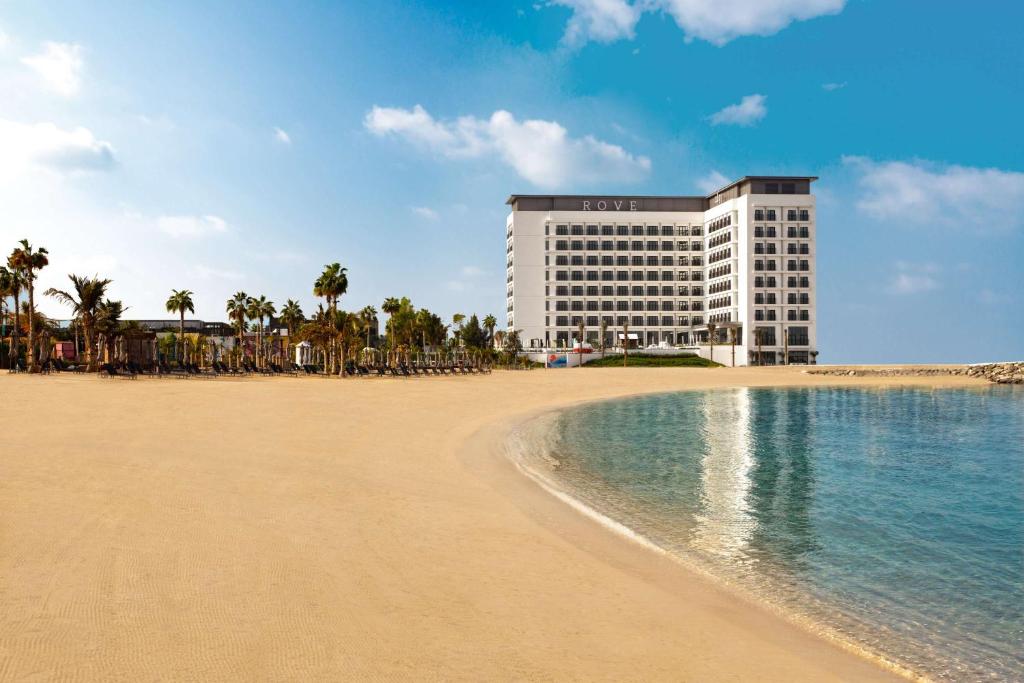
{"type": "Point", "coordinates": [1000, 373]}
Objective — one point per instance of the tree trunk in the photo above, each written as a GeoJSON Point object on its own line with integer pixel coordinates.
{"type": "Point", "coordinates": [16, 332]}
{"type": "Point", "coordinates": [31, 325]}
{"type": "Point", "coordinates": [90, 365]}
{"type": "Point", "coordinates": [181, 327]}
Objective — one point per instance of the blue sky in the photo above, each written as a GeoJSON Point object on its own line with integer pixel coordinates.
{"type": "Point", "coordinates": [220, 146]}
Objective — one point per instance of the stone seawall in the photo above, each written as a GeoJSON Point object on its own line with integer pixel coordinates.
{"type": "Point", "coordinates": [1000, 373]}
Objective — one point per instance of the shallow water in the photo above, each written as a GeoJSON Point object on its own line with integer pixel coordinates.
{"type": "Point", "coordinates": [895, 517]}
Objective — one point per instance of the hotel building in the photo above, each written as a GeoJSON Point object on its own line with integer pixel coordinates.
{"type": "Point", "coordinates": [741, 258]}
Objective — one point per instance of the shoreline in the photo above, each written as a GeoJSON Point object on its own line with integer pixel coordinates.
{"type": "Point", "coordinates": [501, 445]}
{"type": "Point", "coordinates": [293, 528]}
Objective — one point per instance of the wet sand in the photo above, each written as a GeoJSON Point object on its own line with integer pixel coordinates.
{"type": "Point", "coordinates": [296, 529]}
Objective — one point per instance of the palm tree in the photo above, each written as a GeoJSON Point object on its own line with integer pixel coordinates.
{"type": "Point", "coordinates": [256, 309]}
{"type": "Point", "coordinates": [179, 302]}
{"type": "Point", "coordinates": [108, 322]}
{"type": "Point", "coordinates": [292, 317]}
{"type": "Point", "coordinates": [603, 331]}
{"type": "Point", "coordinates": [758, 334]}
{"type": "Point", "coordinates": [456, 326]}
{"type": "Point", "coordinates": [14, 286]}
{"type": "Point", "coordinates": [236, 310]}
{"type": "Point", "coordinates": [712, 329]}
{"type": "Point", "coordinates": [331, 284]}
{"type": "Point", "coordinates": [732, 341]}
{"type": "Point", "coordinates": [28, 260]}
{"type": "Point", "coordinates": [391, 307]}
{"type": "Point", "coordinates": [785, 346]}
{"type": "Point", "coordinates": [489, 324]}
{"type": "Point", "coordinates": [368, 317]}
{"type": "Point", "coordinates": [8, 279]}
{"type": "Point", "coordinates": [267, 310]}
{"type": "Point", "coordinates": [84, 300]}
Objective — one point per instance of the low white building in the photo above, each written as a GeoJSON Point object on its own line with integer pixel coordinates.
{"type": "Point", "coordinates": [741, 259]}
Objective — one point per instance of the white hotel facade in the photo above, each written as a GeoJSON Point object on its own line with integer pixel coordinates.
{"type": "Point", "coordinates": [742, 258]}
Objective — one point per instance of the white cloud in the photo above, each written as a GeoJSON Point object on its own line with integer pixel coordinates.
{"type": "Point", "coordinates": [914, 278]}
{"type": "Point", "coordinates": [925, 193]}
{"type": "Point", "coordinates": [47, 146]}
{"type": "Point", "coordinates": [602, 21]}
{"type": "Point", "coordinates": [203, 272]}
{"type": "Point", "coordinates": [425, 212]}
{"type": "Point", "coordinates": [715, 21]}
{"type": "Point", "coordinates": [472, 271]}
{"type": "Point", "coordinates": [282, 136]}
{"type": "Point", "coordinates": [829, 87]}
{"type": "Point", "coordinates": [59, 65]}
{"type": "Point", "coordinates": [191, 226]}
{"type": "Point", "coordinates": [711, 182]}
{"type": "Point", "coordinates": [541, 152]}
{"type": "Point", "coordinates": [749, 111]}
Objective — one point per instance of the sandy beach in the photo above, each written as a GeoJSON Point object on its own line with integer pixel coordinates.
{"type": "Point", "coordinates": [298, 529]}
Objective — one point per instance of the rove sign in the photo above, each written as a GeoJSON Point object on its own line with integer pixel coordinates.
{"type": "Point", "coordinates": [610, 205]}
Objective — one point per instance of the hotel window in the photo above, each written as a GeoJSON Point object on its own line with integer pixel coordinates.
{"type": "Point", "coordinates": [561, 260]}
{"type": "Point", "coordinates": [770, 298]}
{"type": "Point", "coordinates": [592, 260]}
{"type": "Point", "coordinates": [592, 230]}
{"type": "Point", "coordinates": [561, 305]}
{"type": "Point", "coordinates": [607, 275]}
{"type": "Point", "coordinates": [758, 214]}
{"type": "Point", "coordinates": [561, 229]}
{"type": "Point", "coordinates": [790, 248]}
{"type": "Point", "coordinates": [758, 299]}
{"type": "Point", "coordinates": [622, 245]}
{"type": "Point", "coordinates": [788, 188]}
{"type": "Point", "coordinates": [684, 321]}
{"type": "Point", "coordinates": [696, 246]}
{"type": "Point", "coordinates": [790, 214]}
{"type": "Point", "coordinates": [577, 230]}
{"type": "Point", "coordinates": [621, 305]}
{"type": "Point", "coordinates": [683, 306]}
{"type": "Point", "coordinates": [561, 245]}
{"type": "Point", "coordinates": [791, 265]}
{"type": "Point", "coordinates": [607, 305]}
{"type": "Point", "coordinates": [666, 321]}
{"type": "Point", "coordinates": [637, 290]}
{"type": "Point", "coordinates": [592, 290]}
{"type": "Point", "coordinates": [561, 275]}
{"type": "Point", "coordinates": [696, 306]}
{"type": "Point", "coordinates": [805, 232]}
{"type": "Point", "coordinates": [666, 260]}
{"type": "Point", "coordinates": [638, 275]}
{"type": "Point", "coordinates": [769, 231]}
{"type": "Point", "coordinates": [637, 260]}
{"type": "Point", "coordinates": [577, 275]}
{"type": "Point", "coordinates": [576, 259]}
{"type": "Point", "coordinates": [791, 281]}
{"type": "Point", "coordinates": [621, 320]}
{"type": "Point", "coordinates": [652, 291]}
{"type": "Point", "coordinates": [592, 275]}
{"type": "Point", "coordinates": [805, 281]}
{"type": "Point", "coordinates": [804, 265]}
{"type": "Point", "coordinates": [636, 245]}
{"type": "Point", "coordinates": [637, 321]}
{"type": "Point", "coordinates": [791, 232]}
{"type": "Point", "coordinates": [770, 282]}
{"type": "Point", "coordinates": [622, 260]}
{"type": "Point", "coordinates": [577, 245]}
{"type": "Point", "coordinates": [771, 248]}
{"type": "Point", "coordinates": [666, 290]}
{"type": "Point", "coordinates": [805, 215]}
{"type": "Point", "coordinates": [805, 249]}
{"type": "Point", "coordinates": [622, 275]}
{"type": "Point", "coordinates": [607, 245]}
{"type": "Point", "coordinates": [791, 298]}
{"type": "Point", "coordinates": [652, 321]}
{"type": "Point", "coordinates": [607, 230]}
{"type": "Point", "coordinates": [577, 290]}
{"type": "Point", "coordinates": [576, 305]}
{"type": "Point", "coordinates": [771, 214]}
{"type": "Point", "coordinates": [561, 320]}
{"type": "Point", "coordinates": [592, 245]}
{"type": "Point", "coordinates": [652, 260]}
{"type": "Point", "coordinates": [592, 321]}
{"type": "Point", "coordinates": [621, 290]}
{"type": "Point", "coordinates": [759, 281]}
{"type": "Point", "coordinates": [652, 245]}
{"type": "Point", "coordinates": [770, 313]}
{"type": "Point", "coordinates": [608, 320]}
{"type": "Point", "coordinates": [666, 231]}
{"type": "Point", "coordinates": [608, 260]}
{"type": "Point", "coordinates": [652, 305]}
{"type": "Point", "coordinates": [758, 249]}
{"type": "Point", "coordinates": [805, 315]}
{"type": "Point", "coordinates": [637, 305]}
{"type": "Point", "coordinates": [805, 298]}
{"type": "Point", "coordinates": [607, 290]}
{"type": "Point", "coordinates": [636, 230]}
{"type": "Point", "coordinates": [759, 314]}
{"type": "Point", "coordinates": [561, 290]}
{"type": "Point", "coordinates": [591, 305]}
{"type": "Point", "coordinates": [667, 306]}
{"type": "Point", "coordinates": [683, 276]}
{"type": "Point", "coordinates": [576, 320]}
{"type": "Point", "coordinates": [652, 230]}
{"type": "Point", "coordinates": [791, 314]}
{"type": "Point", "coordinates": [667, 275]}
{"type": "Point", "coordinates": [622, 230]}
{"type": "Point", "coordinates": [682, 231]}
{"type": "Point", "coordinates": [771, 188]}
{"type": "Point", "coordinates": [666, 245]}
{"type": "Point", "coordinates": [758, 265]}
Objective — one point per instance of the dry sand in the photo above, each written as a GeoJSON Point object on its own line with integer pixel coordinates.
{"type": "Point", "coordinates": [297, 529]}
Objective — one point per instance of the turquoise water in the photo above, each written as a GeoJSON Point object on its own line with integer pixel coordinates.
{"type": "Point", "coordinates": [894, 517]}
